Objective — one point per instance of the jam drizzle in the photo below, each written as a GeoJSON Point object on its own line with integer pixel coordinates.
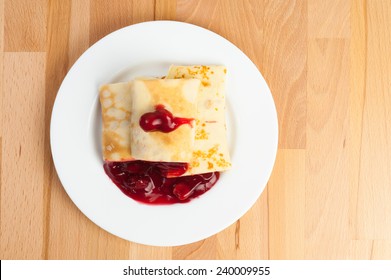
{"type": "Point", "coordinates": [161, 120]}
{"type": "Point", "coordinates": [148, 182]}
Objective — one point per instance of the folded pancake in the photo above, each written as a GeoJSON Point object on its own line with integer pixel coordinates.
{"type": "Point", "coordinates": [210, 147]}
{"type": "Point", "coordinates": [179, 97]}
{"type": "Point", "coordinates": [115, 101]}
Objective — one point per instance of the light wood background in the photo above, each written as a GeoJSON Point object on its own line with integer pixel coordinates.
{"type": "Point", "coordinates": [328, 65]}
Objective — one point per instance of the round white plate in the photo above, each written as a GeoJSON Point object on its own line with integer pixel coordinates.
{"type": "Point", "coordinates": [149, 48]}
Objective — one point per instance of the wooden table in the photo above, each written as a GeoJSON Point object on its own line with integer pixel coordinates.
{"type": "Point", "coordinates": [328, 65]}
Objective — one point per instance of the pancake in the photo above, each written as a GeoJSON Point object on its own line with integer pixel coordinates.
{"type": "Point", "coordinates": [179, 97]}
{"type": "Point", "coordinates": [210, 146]}
{"type": "Point", "coordinates": [115, 101]}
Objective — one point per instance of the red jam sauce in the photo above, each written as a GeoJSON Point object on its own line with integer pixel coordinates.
{"type": "Point", "coordinates": [148, 182]}
{"type": "Point", "coordinates": [161, 120]}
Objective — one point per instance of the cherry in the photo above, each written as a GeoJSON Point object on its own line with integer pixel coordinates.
{"type": "Point", "coordinates": [172, 169]}
{"type": "Point", "coordinates": [161, 120]}
{"type": "Point", "coordinates": [148, 182]}
{"type": "Point", "coordinates": [134, 167]}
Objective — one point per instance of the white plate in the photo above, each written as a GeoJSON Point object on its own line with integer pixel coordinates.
{"type": "Point", "coordinates": [149, 48]}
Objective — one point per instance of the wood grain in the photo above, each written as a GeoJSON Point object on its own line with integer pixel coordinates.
{"type": "Point", "coordinates": [1, 70]}
{"type": "Point", "coordinates": [370, 249]}
{"type": "Point", "coordinates": [22, 153]}
{"type": "Point", "coordinates": [1, 102]}
{"type": "Point", "coordinates": [239, 240]}
{"type": "Point", "coordinates": [108, 16]}
{"type": "Point", "coordinates": [2, 28]}
{"type": "Point", "coordinates": [285, 56]}
{"type": "Point", "coordinates": [143, 252]}
{"type": "Point", "coordinates": [335, 23]}
{"type": "Point", "coordinates": [286, 207]}
{"type": "Point", "coordinates": [374, 174]}
{"type": "Point", "coordinates": [79, 29]}
{"type": "Point", "coordinates": [56, 69]}
{"type": "Point", "coordinates": [165, 9]}
{"type": "Point", "coordinates": [201, 250]}
{"type": "Point", "coordinates": [328, 65]}
{"type": "Point", "coordinates": [25, 25]}
{"type": "Point", "coordinates": [358, 58]}
{"type": "Point", "coordinates": [327, 187]}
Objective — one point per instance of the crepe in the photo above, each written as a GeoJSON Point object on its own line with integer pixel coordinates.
{"type": "Point", "coordinates": [178, 96]}
{"type": "Point", "coordinates": [115, 101]}
{"type": "Point", "coordinates": [210, 147]}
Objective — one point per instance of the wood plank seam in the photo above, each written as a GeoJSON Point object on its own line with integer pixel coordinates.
{"type": "Point", "coordinates": [57, 64]}
{"type": "Point", "coordinates": [1, 175]}
{"type": "Point", "coordinates": [364, 93]}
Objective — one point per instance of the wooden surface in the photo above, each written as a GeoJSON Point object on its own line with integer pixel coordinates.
{"type": "Point", "coordinates": [328, 65]}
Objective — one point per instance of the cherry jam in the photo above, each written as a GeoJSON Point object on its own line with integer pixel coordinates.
{"type": "Point", "coordinates": [161, 120]}
{"type": "Point", "coordinates": [153, 182]}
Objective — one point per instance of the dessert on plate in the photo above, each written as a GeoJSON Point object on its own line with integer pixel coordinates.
{"type": "Point", "coordinates": [164, 140]}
